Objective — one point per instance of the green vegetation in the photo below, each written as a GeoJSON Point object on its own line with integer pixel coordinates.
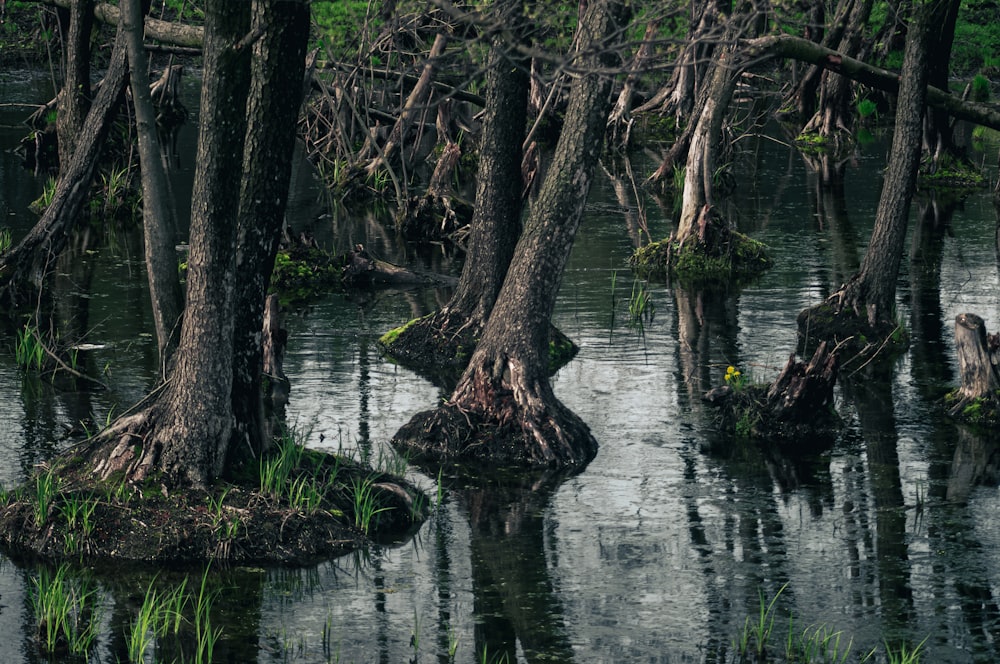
{"type": "Point", "coordinates": [67, 611]}
{"type": "Point", "coordinates": [759, 642]}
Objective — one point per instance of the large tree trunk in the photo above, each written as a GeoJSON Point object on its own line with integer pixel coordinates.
{"type": "Point", "coordinates": [503, 408]}
{"type": "Point", "coordinates": [865, 306]}
{"type": "Point", "coordinates": [194, 418]}
{"type": "Point", "coordinates": [275, 98]}
{"type": "Point", "coordinates": [29, 261]}
{"type": "Point", "coordinates": [159, 219]}
{"type": "Point", "coordinates": [74, 98]}
{"type": "Point", "coordinates": [435, 343]}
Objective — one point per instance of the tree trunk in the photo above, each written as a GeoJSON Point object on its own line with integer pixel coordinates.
{"type": "Point", "coordinates": [74, 98]}
{"type": "Point", "coordinates": [158, 216]}
{"type": "Point", "coordinates": [503, 408]}
{"type": "Point", "coordinates": [865, 306]}
{"type": "Point", "coordinates": [192, 419]}
{"type": "Point", "coordinates": [435, 343]}
{"type": "Point", "coordinates": [620, 120]}
{"type": "Point", "coordinates": [978, 357]}
{"type": "Point", "coordinates": [273, 110]}
{"type": "Point", "coordinates": [29, 261]}
{"type": "Point", "coordinates": [700, 171]}
{"type": "Point", "coordinates": [939, 143]}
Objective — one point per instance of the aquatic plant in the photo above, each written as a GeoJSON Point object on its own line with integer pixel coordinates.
{"type": "Point", "coordinates": [66, 611]}
{"type": "Point", "coordinates": [366, 504]}
{"type": "Point", "coordinates": [205, 636]}
{"type": "Point", "coordinates": [756, 635]}
{"type": "Point", "coordinates": [46, 489]}
{"type": "Point", "coordinates": [904, 655]}
{"type": "Point", "coordinates": [6, 239]}
{"type": "Point", "coordinates": [29, 352]}
{"type": "Point", "coordinates": [160, 613]}
{"type": "Point", "coordinates": [276, 468]}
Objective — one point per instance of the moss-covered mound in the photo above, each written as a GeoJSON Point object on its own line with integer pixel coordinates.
{"type": "Point", "coordinates": [298, 507]}
{"type": "Point", "coordinates": [980, 412]}
{"type": "Point", "coordinates": [439, 349]}
{"type": "Point", "coordinates": [733, 256]}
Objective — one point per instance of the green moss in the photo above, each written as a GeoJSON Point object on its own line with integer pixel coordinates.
{"type": "Point", "coordinates": [951, 173]}
{"type": "Point", "coordinates": [561, 350]}
{"type": "Point", "coordinates": [305, 273]}
{"type": "Point", "coordinates": [387, 339]}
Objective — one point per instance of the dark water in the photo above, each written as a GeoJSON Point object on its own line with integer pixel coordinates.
{"type": "Point", "coordinates": [662, 547]}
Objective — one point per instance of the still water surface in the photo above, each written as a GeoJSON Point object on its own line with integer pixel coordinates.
{"type": "Point", "coordinates": [660, 549]}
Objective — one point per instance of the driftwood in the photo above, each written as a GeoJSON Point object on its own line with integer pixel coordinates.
{"type": "Point", "coordinates": [978, 354]}
{"type": "Point", "coordinates": [803, 391]}
{"type": "Point", "coordinates": [438, 213]}
{"type": "Point", "coordinates": [361, 269]}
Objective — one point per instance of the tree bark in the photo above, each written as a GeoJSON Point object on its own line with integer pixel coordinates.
{"type": "Point", "coordinates": [433, 343]}
{"type": "Point", "coordinates": [869, 297]}
{"type": "Point", "coordinates": [503, 408]}
{"type": "Point", "coordinates": [28, 261]}
{"type": "Point", "coordinates": [978, 357]}
{"type": "Point", "coordinates": [833, 114]}
{"type": "Point", "coordinates": [273, 109]}
{"type": "Point", "coordinates": [758, 49]}
{"type": "Point", "coordinates": [193, 419]}
{"type": "Point", "coordinates": [177, 34]}
{"type": "Point", "coordinates": [74, 98]}
{"type": "Point", "coordinates": [158, 215]}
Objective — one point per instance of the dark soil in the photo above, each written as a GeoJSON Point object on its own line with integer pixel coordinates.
{"type": "Point", "coordinates": [233, 522]}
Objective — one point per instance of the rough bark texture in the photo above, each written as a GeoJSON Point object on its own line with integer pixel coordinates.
{"type": "Point", "coordinates": [193, 419]}
{"type": "Point", "coordinates": [865, 306]}
{"type": "Point", "coordinates": [978, 357]}
{"type": "Point", "coordinates": [444, 341]}
{"type": "Point", "coordinates": [939, 144]}
{"type": "Point", "coordinates": [74, 98]}
{"type": "Point", "coordinates": [28, 262]}
{"type": "Point", "coordinates": [503, 407]}
{"type": "Point", "coordinates": [803, 50]}
{"type": "Point", "coordinates": [275, 98]}
{"type": "Point", "coordinates": [704, 146]}
{"type": "Point", "coordinates": [159, 219]}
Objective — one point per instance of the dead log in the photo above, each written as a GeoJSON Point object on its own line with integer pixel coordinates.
{"type": "Point", "coordinates": [438, 213]}
{"type": "Point", "coordinates": [978, 356]}
{"type": "Point", "coordinates": [802, 391]}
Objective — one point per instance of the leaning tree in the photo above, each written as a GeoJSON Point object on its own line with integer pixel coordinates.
{"type": "Point", "coordinates": [503, 409]}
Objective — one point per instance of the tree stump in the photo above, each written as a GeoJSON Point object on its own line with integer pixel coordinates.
{"type": "Point", "coordinates": [978, 354]}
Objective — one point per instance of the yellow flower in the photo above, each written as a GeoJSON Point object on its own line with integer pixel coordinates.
{"type": "Point", "coordinates": [730, 369]}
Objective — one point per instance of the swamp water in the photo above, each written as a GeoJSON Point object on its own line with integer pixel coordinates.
{"type": "Point", "coordinates": [660, 549]}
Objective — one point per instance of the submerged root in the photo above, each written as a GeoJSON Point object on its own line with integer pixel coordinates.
{"type": "Point", "coordinates": [501, 418]}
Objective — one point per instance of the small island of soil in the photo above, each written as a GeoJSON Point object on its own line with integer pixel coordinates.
{"type": "Point", "coordinates": [296, 507]}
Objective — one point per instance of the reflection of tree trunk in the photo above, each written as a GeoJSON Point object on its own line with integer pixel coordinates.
{"type": "Point", "coordinates": [510, 575]}
{"type": "Point", "coordinates": [873, 400]}
{"type": "Point", "coordinates": [831, 213]}
{"type": "Point", "coordinates": [704, 318]}
{"type": "Point", "coordinates": [926, 314]}
{"type": "Point", "coordinates": [976, 462]}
